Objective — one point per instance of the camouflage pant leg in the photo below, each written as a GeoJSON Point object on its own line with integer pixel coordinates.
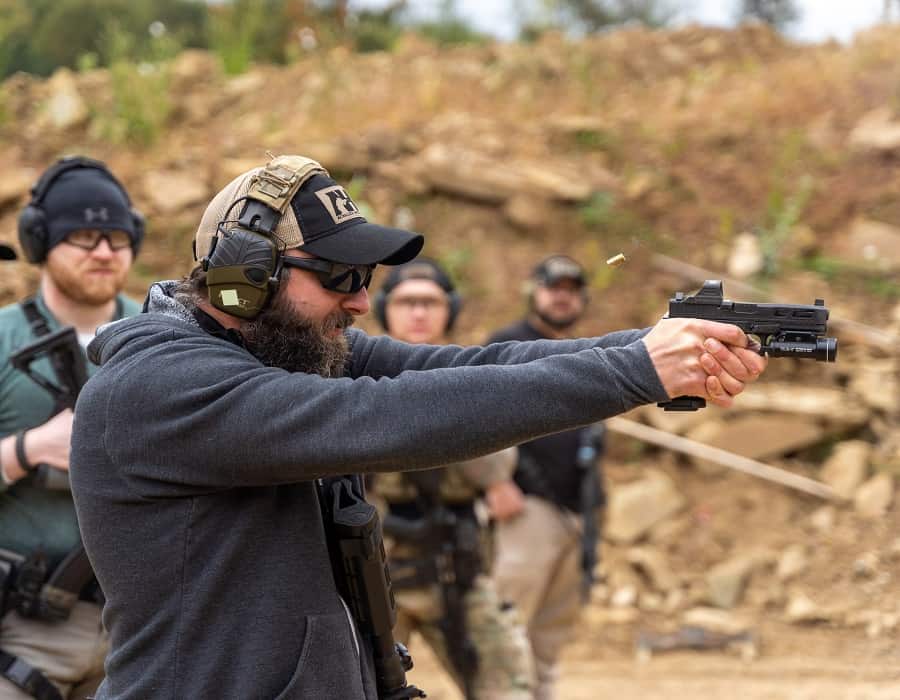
{"type": "Point", "coordinates": [537, 567]}
{"type": "Point", "coordinates": [505, 669]}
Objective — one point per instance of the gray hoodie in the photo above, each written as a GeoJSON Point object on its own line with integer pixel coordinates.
{"type": "Point", "coordinates": [192, 468]}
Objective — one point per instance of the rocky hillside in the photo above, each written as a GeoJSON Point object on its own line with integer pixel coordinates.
{"type": "Point", "coordinates": [735, 152]}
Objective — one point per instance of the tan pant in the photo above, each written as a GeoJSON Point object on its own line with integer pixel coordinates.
{"type": "Point", "coordinates": [70, 653]}
{"type": "Point", "coordinates": [537, 567]}
{"type": "Point", "coordinates": [504, 660]}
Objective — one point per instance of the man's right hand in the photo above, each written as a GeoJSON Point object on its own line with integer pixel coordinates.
{"type": "Point", "coordinates": [49, 443]}
{"type": "Point", "coordinates": [694, 357]}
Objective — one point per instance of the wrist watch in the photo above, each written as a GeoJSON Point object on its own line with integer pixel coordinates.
{"type": "Point", "coordinates": [20, 452]}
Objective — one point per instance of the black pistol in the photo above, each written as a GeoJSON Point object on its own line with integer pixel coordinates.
{"type": "Point", "coordinates": [783, 330]}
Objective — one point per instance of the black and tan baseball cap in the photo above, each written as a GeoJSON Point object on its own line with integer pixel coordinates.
{"type": "Point", "coordinates": [559, 267]}
{"type": "Point", "coordinates": [321, 219]}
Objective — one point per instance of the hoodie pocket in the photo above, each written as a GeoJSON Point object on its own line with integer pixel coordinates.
{"type": "Point", "coordinates": [329, 665]}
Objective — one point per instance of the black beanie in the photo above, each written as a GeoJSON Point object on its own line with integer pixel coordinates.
{"type": "Point", "coordinates": [87, 198]}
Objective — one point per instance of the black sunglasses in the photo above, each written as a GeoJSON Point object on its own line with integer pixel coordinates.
{"type": "Point", "coordinates": [336, 277]}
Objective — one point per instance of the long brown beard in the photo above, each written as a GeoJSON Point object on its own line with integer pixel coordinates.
{"type": "Point", "coordinates": [281, 337]}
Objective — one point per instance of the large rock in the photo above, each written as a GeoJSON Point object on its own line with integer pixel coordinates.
{"type": "Point", "coordinates": [527, 213]}
{"type": "Point", "coordinates": [792, 562]}
{"type": "Point", "coordinates": [814, 402]}
{"type": "Point", "coordinates": [403, 174]}
{"type": "Point", "coordinates": [715, 620]}
{"type": "Point", "coordinates": [64, 107]}
{"type": "Point", "coordinates": [652, 564]}
{"type": "Point", "coordinates": [878, 131]}
{"type": "Point", "coordinates": [869, 244]}
{"type": "Point", "coordinates": [746, 257]}
{"type": "Point", "coordinates": [759, 436]}
{"type": "Point", "coordinates": [194, 66]}
{"type": "Point", "coordinates": [481, 178]}
{"type": "Point", "coordinates": [847, 467]}
{"type": "Point", "coordinates": [636, 507]}
{"type": "Point", "coordinates": [727, 580]}
{"type": "Point", "coordinates": [14, 186]}
{"type": "Point", "coordinates": [876, 383]}
{"type": "Point", "coordinates": [874, 497]}
{"type": "Point", "coordinates": [171, 191]}
{"type": "Point", "coordinates": [801, 609]}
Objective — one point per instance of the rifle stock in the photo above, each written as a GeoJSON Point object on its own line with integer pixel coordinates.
{"type": "Point", "coordinates": [359, 563]}
{"type": "Point", "coordinates": [62, 349]}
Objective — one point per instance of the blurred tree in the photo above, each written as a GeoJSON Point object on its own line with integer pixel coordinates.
{"type": "Point", "coordinates": [378, 30]}
{"type": "Point", "coordinates": [16, 20]}
{"type": "Point", "coordinates": [588, 16]}
{"type": "Point", "coordinates": [777, 13]}
{"type": "Point", "coordinates": [449, 28]}
{"type": "Point", "coordinates": [38, 36]}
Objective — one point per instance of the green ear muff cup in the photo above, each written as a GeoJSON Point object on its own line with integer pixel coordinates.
{"type": "Point", "coordinates": [240, 272]}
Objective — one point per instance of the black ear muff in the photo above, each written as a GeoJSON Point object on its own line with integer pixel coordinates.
{"type": "Point", "coordinates": [33, 233]}
{"type": "Point", "coordinates": [140, 225]}
{"type": "Point", "coordinates": [455, 305]}
{"type": "Point", "coordinates": [242, 271]}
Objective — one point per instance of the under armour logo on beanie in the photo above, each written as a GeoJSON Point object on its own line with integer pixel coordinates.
{"type": "Point", "coordinates": [100, 214]}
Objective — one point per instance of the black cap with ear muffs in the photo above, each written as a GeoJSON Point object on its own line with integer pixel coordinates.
{"type": "Point", "coordinates": [420, 268]}
{"type": "Point", "coordinates": [556, 268]}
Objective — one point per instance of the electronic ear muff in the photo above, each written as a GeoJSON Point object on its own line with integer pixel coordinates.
{"type": "Point", "coordinates": [243, 265]}
{"type": "Point", "coordinates": [34, 234]}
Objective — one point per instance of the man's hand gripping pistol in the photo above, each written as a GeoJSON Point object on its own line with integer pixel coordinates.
{"type": "Point", "coordinates": [783, 330]}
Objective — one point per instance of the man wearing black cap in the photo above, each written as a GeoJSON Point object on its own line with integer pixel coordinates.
{"type": "Point", "coordinates": [81, 229]}
{"type": "Point", "coordinates": [440, 556]}
{"type": "Point", "coordinates": [540, 516]}
{"type": "Point", "coordinates": [198, 445]}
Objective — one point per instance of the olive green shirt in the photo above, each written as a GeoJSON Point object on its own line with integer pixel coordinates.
{"type": "Point", "coordinates": [32, 517]}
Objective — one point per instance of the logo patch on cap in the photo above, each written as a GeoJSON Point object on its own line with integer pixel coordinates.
{"type": "Point", "coordinates": [338, 204]}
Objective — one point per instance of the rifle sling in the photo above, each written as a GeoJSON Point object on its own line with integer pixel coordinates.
{"type": "Point", "coordinates": [39, 325]}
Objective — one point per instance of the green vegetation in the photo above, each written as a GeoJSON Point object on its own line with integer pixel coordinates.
{"type": "Point", "coordinates": [790, 192]}
{"type": "Point", "coordinates": [139, 90]}
{"type": "Point", "coordinates": [851, 278]}
{"type": "Point", "coordinates": [38, 36]}
{"type": "Point", "coordinates": [783, 212]}
{"type": "Point", "coordinates": [244, 31]}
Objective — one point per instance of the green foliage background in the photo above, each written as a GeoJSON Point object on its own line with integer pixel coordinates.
{"type": "Point", "coordinates": [38, 36]}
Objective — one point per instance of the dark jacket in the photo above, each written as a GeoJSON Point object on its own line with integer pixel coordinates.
{"type": "Point", "coordinates": [555, 456]}
{"type": "Point", "coordinates": [192, 466]}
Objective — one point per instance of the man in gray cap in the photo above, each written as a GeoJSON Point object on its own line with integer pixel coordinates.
{"type": "Point", "coordinates": [198, 445]}
{"type": "Point", "coordinates": [81, 229]}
